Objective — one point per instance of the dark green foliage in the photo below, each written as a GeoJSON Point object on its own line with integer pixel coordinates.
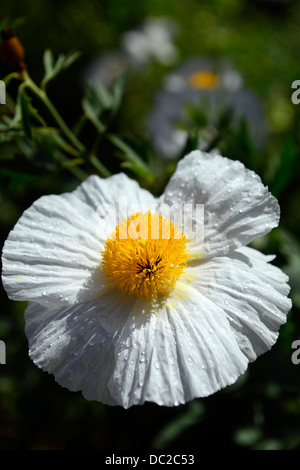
{"type": "Point", "coordinates": [103, 132]}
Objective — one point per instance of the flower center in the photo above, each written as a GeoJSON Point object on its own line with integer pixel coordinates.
{"type": "Point", "coordinates": [145, 255]}
{"type": "Point", "coordinates": [207, 80]}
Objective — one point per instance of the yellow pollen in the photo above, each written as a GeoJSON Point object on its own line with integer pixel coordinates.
{"type": "Point", "coordinates": [145, 255]}
{"type": "Point", "coordinates": [207, 80]}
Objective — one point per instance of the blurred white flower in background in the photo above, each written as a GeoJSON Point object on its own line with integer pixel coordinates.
{"type": "Point", "coordinates": [210, 87]}
{"type": "Point", "coordinates": [152, 42]}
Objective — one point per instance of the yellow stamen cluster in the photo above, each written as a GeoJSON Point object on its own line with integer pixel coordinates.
{"type": "Point", "coordinates": [204, 80]}
{"type": "Point", "coordinates": [145, 255]}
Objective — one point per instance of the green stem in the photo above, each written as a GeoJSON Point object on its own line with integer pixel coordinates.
{"type": "Point", "coordinates": [41, 94]}
{"type": "Point", "coordinates": [53, 111]}
{"type": "Point", "coordinates": [99, 166]}
{"type": "Point", "coordinates": [75, 170]}
{"type": "Point", "coordinates": [94, 160]}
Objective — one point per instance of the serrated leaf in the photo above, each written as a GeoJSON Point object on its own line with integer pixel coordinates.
{"type": "Point", "coordinates": [55, 137]}
{"type": "Point", "coordinates": [52, 69]}
{"type": "Point", "coordinates": [93, 106]}
{"type": "Point", "coordinates": [104, 97]}
{"type": "Point", "coordinates": [118, 91]}
{"type": "Point", "coordinates": [48, 61]}
{"type": "Point", "coordinates": [25, 112]}
{"type": "Point", "coordinates": [132, 160]}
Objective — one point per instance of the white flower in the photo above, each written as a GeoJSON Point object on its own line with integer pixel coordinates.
{"type": "Point", "coordinates": [214, 88]}
{"type": "Point", "coordinates": [152, 41]}
{"type": "Point", "coordinates": [129, 320]}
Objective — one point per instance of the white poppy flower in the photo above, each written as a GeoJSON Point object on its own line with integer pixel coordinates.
{"type": "Point", "coordinates": [165, 320]}
{"type": "Point", "coordinates": [153, 41]}
{"type": "Point", "coordinates": [211, 86]}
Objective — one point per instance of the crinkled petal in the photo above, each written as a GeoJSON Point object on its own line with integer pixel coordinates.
{"type": "Point", "coordinates": [53, 253]}
{"type": "Point", "coordinates": [117, 190]}
{"type": "Point", "coordinates": [77, 344]}
{"type": "Point", "coordinates": [120, 352]}
{"type": "Point", "coordinates": [251, 291]}
{"type": "Point", "coordinates": [185, 349]}
{"type": "Point", "coordinates": [237, 206]}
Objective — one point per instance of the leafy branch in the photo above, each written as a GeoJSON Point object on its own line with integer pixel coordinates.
{"type": "Point", "coordinates": [25, 125]}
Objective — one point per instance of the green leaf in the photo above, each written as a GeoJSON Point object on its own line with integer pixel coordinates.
{"type": "Point", "coordinates": [248, 436]}
{"type": "Point", "coordinates": [132, 160]}
{"type": "Point", "coordinates": [52, 68]}
{"type": "Point", "coordinates": [25, 110]}
{"type": "Point", "coordinates": [57, 140]}
{"type": "Point", "coordinates": [100, 105]}
{"type": "Point", "coordinates": [18, 179]}
{"type": "Point", "coordinates": [94, 103]}
{"type": "Point", "coordinates": [288, 167]}
{"type": "Point", "coordinates": [118, 91]}
{"type": "Point", "coordinates": [48, 61]}
{"type": "Point", "coordinates": [28, 113]}
{"type": "Point", "coordinates": [172, 431]}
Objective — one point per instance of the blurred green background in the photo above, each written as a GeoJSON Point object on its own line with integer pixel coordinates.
{"type": "Point", "coordinates": [262, 40]}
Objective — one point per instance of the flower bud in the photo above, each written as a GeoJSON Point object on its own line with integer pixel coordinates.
{"type": "Point", "coordinates": [12, 50]}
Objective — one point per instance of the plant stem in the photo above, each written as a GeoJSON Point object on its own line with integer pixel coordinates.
{"type": "Point", "coordinates": [53, 111]}
{"type": "Point", "coordinates": [78, 172]}
{"type": "Point", "coordinates": [41, 94]}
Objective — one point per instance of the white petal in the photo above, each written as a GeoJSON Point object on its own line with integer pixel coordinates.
{"type": "Point", "coordinates": [52, 252]}
{"type": "Point", "coordinates": [184, 350]}
{"type": "Point", "coordinates": [77, 344]}
{"type": "Point", "coordinates": [114, 191]}
{"type": "Point", "coordinates": [52, 255]}
{"type": "Point", "coordinates": [237, 206]}
{"type": "Point", "coordinates": [119, 353]}
{"type": "Point", "coordinates": [252, 293]}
